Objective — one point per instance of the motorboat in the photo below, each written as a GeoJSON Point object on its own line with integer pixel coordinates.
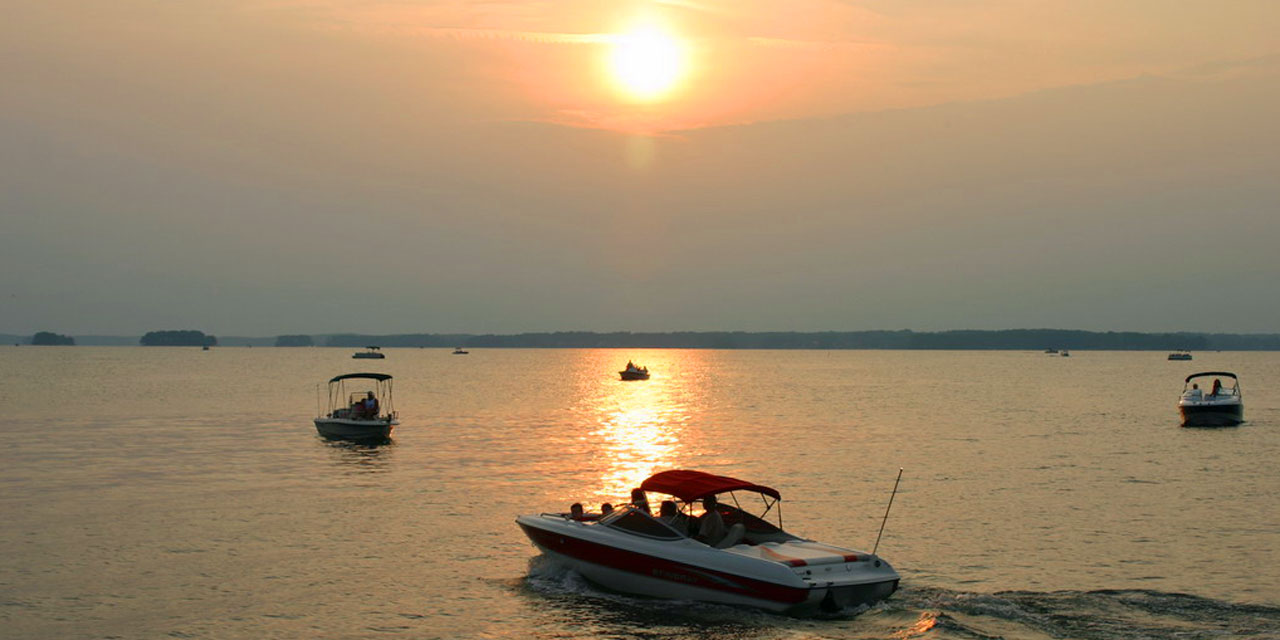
{"type": "Point", "coordinates": [459, 351]}
{"type": "Point", "coordinates": [362, 412]}
{"type": "Point", "coordinates": [1065, 353]}
{"type": "Point", "coordinates": [1180, 355]}
{"type": "Point", "coordinates": [1221, 406]}
{"type": "Point", "coordinates": [755, 563]}
{"type": "Point", "coordinates": [370, 353]}
{"type": "Point", "coordinates": [1052, 352]}
{"type": "Point", "coordinates": [633, 372]}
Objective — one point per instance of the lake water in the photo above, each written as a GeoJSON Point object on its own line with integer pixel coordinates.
{"type": "Point", "coordinates": [175, 493]}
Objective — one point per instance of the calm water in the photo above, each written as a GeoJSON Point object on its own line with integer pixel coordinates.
{"type": "Point", "coordinates": [151, 493]}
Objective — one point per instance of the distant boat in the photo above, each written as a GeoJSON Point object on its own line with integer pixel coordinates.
{"type": "Point", "coordinates": [373, 353]}
{"type": "Point", "coordinates": [1180, 355]}
{"type": "Point", "coordinates": [1065, 353]}
{"type": "Point", "coordinates": [459, 351]}
{"type": "Point", "coordinates": [362, 414]}
{"type": "Point", "coordinates": [1220, 407]}
{"type": "Point", "coordinates": [1051, 351]}
{"type": "Point", "coordinates": [204, 348]}
{"type": "Point", "coordinates": [633, 372]}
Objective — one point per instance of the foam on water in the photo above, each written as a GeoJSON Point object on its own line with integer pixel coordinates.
{"type": "Point", "coordinates": [1109, 614]}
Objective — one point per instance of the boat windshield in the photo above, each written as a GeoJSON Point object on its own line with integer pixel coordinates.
{"type": "Point", "coordinates": [636, 522]}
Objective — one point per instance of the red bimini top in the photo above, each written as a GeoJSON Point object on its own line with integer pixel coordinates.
{"type": "Point", "coordinates": [689, 485]}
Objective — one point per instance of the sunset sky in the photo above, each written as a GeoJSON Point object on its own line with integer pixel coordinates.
{"type": "Point", "coordinates": [256, 167]}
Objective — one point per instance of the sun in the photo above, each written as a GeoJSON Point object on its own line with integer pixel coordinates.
{"type": "Point", "coordinates": [647, 62]}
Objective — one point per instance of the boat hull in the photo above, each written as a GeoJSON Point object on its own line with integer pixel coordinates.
{"type": "Point", "coordinates": [633, 375]}
{"type": "Point", "coordinates": [346, 429]}
{"type": "Point", "coordinates": [368, 356]}
{"type": "Point", "coordinates": [634, 572]}
{"type": "Point", "coordinates": [1212, 415]}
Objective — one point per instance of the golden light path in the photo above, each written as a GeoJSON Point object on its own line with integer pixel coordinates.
{"type": "Point", "coordinates": [643, 425]}
{"type": "Point", "coordinates": [647, 62]}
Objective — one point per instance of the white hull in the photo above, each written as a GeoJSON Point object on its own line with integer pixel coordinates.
{"type": "Point", "coordinates": [354, 429]}
{"type": "Point", "coordinates": [796, 577]}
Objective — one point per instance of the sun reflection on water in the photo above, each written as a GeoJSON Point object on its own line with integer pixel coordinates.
{"type": "Point", "coordinates": [642, 423]}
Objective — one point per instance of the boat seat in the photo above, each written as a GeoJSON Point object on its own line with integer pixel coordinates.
{"type": "Point", "coordinates": [732, 537]}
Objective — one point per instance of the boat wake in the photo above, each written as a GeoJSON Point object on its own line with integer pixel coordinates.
{"type": "Point", "coordinates": [920, 612]}
{"type": "Point", "coordinates": [1104, 614]}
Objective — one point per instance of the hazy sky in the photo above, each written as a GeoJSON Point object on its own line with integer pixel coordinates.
{"type": "Point", "coordinates": [257, 167]}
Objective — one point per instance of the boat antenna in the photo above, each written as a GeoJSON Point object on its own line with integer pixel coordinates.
{"type": "Point", "coordinates": [886, 511]}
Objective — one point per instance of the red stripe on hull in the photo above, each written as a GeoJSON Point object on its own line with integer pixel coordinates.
{"type": "Point", "coordinates": [662, 569]}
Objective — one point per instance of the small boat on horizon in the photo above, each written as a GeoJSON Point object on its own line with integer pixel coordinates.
{"type": "Point", "coordinates": [1180, 355]}
{"type": "Point", "coordinates": [361, 415]}
{"type": "Point", "coordinates": [371, 353]}
{"type": "Point", "coordinates": [1052, 352]}
{"type": "Point", "coordinates": [705, 549]}
{"type": "Point", "coordinates": [459, 351]}
{"type": "Point", "coordinates": [1065, 353]}
{"type": "Point", "coordinates": [633, 372]}
{"type": "Point", "coordinates": [1220, 407]}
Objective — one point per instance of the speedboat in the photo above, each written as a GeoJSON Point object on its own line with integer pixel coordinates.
{"type": "Point", "coordinates": [633, 372]}
{"type": "Point", "coordinates": [1180, 355]}
{"type": "Point", "coordinates": [371, 352]}
{"type": "Point", "coordinates": [754, 564]}
{"type": "Point", "coordinates": [364, 413]}
{"type": "Point", "coordinates": [1220, 407]}
{"type": "Point", "coordinates": [459, 351]}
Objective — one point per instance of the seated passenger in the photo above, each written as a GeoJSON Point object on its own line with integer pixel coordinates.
{"type": "Point", "coordinates": [667, 511]}
{"type": "Point", "coordinates": [606, 509]}
{"type": "Point", "coordinates": [639, 500]}
{"type": "Point", "coordinates": [575, 511]}
{"type": "Point", "coordinates": [710, 525]}
{"type": "Point", "coordinates": [1217, 387]}
{"type": "Point", "coordinates": [1194, 393]}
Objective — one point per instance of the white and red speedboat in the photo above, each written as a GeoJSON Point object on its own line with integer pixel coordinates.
{"type": "Point", "coordinates": [756, 564]}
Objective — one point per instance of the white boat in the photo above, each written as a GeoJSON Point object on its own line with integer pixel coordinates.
{"type": "Point", "coordinates": [365, 413]}
{"type": "Point", "coordinates": [1065, 353]}
{"type": "Point", "coordinates": [459, 351]}
{"type": "Point", "coordinates": [633, 372]}
{"type": "Point", "coordinates": [1180, 355]}
{"type": "Point", "coordinates": [1221, 406]}
{"type": "Point", "coordinates": [755, 564]}
{"type": "Point", "coordinates": [370, 352]}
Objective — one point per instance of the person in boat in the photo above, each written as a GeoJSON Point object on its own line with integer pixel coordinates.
{"type": "Point", "coordinates": [667, 511]}
{"type": "Point", "coordinates": [710, 525]}
{"type": "Point", "coordinates": [575, 511]}
{"type": "Point", "coordinates": [371, 406]}
{"type": "Point", "coordinates": [639, 500]}
{"type": "Point", "coordinates": [1195, 393]}
{"type": "Point", "coordinates": [1217, 387]}
{"type": "Point", "coordinates": [606, 509]}
{"type": "Point", "coordinates": [670, 513]}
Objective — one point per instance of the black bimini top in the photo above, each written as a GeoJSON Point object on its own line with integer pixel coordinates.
{"type": "Point", "coordinates": [369, 376]}
{"type": "Point", "coordinates": [1225, 374]}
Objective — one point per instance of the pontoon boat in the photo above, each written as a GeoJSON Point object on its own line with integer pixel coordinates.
{"type": "Point", "coordinates": [371, 353]}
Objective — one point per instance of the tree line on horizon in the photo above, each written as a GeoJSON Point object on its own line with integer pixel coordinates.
{"type": "Point", "coordinates": [1006, 339]}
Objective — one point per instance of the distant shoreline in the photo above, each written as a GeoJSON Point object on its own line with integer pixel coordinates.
{"type": "Point", "coordinates": [986, 340]}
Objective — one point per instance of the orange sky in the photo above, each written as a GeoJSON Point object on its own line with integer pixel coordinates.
{"type": "Point", "coordinates": [750, 61]}
{"type": "Point", "coordinates": [819, 164]}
